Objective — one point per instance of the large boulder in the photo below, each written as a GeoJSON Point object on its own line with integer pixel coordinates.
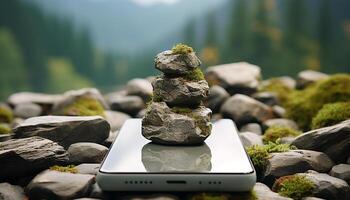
{"type": "Point", "coordinates": [179, 91]}
{"type": "Point", "coordinates": [11, 192]}
{"type": "Point", "coordinates": [244, 109]}
{"type": "Point", "coordinates": [128, 104]}
{"type": "Point", "coordinates": [176, 64]}
{"type": "Point", "coordinates": [164, 125]}
{"type": "Point", "coordinates": [308, 77]}
{"type": "Point", "coordinates": [65, 130]}
{"type": "Point", "coordinates": [140, 87]}
{"type": "Point", "coordinates": [86, 152]}
{"type": "Point", "coordinates": [328, 187]}
{"type": "Point", "coordinates": [217, 96]}
{"type": "Point", "coordinates": [239, 77]}
{"type": "Point", "coordinates": [51, 184]}
{"type": "Point", "coordinates": [23, 157]}
{"type": "Point", "coordinates": [333, 141]}
{"type": "Point", "coordinates": [295, 161]}
{"type": "Point", "coordinates": [263, 192]}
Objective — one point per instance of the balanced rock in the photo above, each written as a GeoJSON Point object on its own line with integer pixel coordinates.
{"type": "Point", "coordinates": [244, 109]}
{"type": "Point", "coordinates": [23, 157]}
{"type": "Point", "coordinates": [178, 64]}
{"type": "Point", "coordinates": [333, 141]}
{"type": "Point", "coordinates": [65, 130]}
{"type": "Point", "coordinates": [179, 91]}
{"type": "Point", "coordinates": [236, 78]}
{"type": "Point", "coordinates": [51, 184]}
{"type": "Point", "coordinates": [295, 161]}
{"type": "Point", "coordinates": [166, 125]}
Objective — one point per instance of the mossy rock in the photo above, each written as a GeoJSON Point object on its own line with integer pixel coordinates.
{"type": "Point", "coordinates": [274, 133]}
{"type": "Point", "coordinates": [6, 115]}
{"type": "Point", "coordinates": [331, 114]}
{"type": "Point", "coordinates": [259, 157]}
{"type": "Point", "coordinates": [276, 86]}
{"type": "Point", "coordinates": [69, 169]}
{"type": "Point", "coordinates": [4, 129]}
{"type": "Point", "coordinates": [194, 75]}
{"type": "Point", "coordinates": [84, 106]}
{"type": "Point", "coordinates": [303, 105]}
{"type": "Point", "coordinates": [277, 147]}
{"type": "Point", "coordinates": [181, 49]}
{"type": "Point", "coordinates": [294, 186]}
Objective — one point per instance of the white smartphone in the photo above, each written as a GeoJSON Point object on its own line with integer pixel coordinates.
{"type": "Point", "coordinates": [133, 163]}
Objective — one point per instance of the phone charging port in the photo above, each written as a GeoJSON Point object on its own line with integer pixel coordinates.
{"type": "Point", "coordinates": [176, 182]}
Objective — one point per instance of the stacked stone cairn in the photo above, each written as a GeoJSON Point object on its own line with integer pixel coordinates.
{"type": "Point", "coordinates": [176, 115]}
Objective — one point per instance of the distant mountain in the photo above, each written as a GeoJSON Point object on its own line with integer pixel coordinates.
{"type": "Point", "coordinates": [127, 26]}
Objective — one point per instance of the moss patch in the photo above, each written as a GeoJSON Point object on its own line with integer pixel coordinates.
{"type": "Point", "coordinates": [4, 129]}
{"type": "Point", "coordinates": [274, 133]}
{"type": "Point", "coordinates": [295, 186]}
{"type": "Point", "coordinates": [276, 86]}
{"type": "Point", "coordinates": [6, 115]}
{"type": "Point", "coordinates": [69, 168]}
{"type": "Point", "coordinates": [259, 156]}
{"type": "Point", "coordinates": [194, 75]}
{"type": "Point", "coordinates": [277, 147]}
{"type": "Point", "coordinates": [181, 49]}
{"type": "Point", "coordinates": [84, 106]}
{"type": "Point", "coordinates": [303, 105]}
{"type": "Point", "coordinates": [331, 114]}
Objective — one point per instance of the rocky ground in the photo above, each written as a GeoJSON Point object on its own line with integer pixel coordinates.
{"type": "Point", "coordinates": [296, 131]}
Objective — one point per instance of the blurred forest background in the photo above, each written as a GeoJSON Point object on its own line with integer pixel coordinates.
{"type": "Point", "coordinates": [52, 46]}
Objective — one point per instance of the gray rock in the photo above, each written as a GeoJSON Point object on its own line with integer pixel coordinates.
{"type": "Point", "coordinates": [23, 157]}
{"type": "Point", "coordinates": [328, 187]}
{"type": "Point", "coordinates": [263, 192]}
{"type": "Point", "coordinates": [140, 87]}
{"type": "Point", "coordinates": [11, 192]}
{"type": "Point", "coordinates": [65, 130]}
{"type": "Point", "coordinates": [217, 96]}
{"type": "Point", "coordinates": [178, 91]}
{"type": "Point", "coordinates": [243, 109]}
{"type": "Point", "coordinates": [116, 94]}
{"type": "Point", "coordinates": [285, 80]}
{"type": "Point", "coordinates": [5, 137]}
{"type": "Point", "coordinates": [239, 77]}
{"type": "Point", "coordinates": [161, 158]}
{"type": "Point", "coordinates": [128, 104]}
{"type": "Point", "coordinates": [268, 98]}
{"type": "Point", "coordinates": [162, 125]}
{"type": "Point", "coordinates": [287, 140]}
{"type": "Point", "coordinates": [252, 127]}
{"type": "Point", "coordinates": [70, 96]}
{"type": "Point", "coordinates": [308, 77]}
{"type": "Point", "coordinates": [96, 192]}
{"type": "Point", "coordinates": [30, 97]}
{"type": "Point", "coordinates": [176, 64]}
{"type": "Point", "coordinates": [348, 161]}
{"type": "Point", "coordinates": [312, 198]}
{"type": "Point", "coordinates": [112, 136]}
{"type": "Point", "coordinates": [86, 152]}
{"type": "Point", "coordinates": [249, 139]}
{"type": "Point", "coordinates": [281, 122]}
{"type": "Point", "coordinates": [142, 113]}
{"type": "Point", "coordinates": [51, 184]}
{"type": "Point", "coordinates": [333, 141]}
{"type": "Point", "coordinates": [88, 168]}
{"type": "Point", "coordinates": [216, 117]}
{"type": "Point", "coordinates": [278, 111]}
{"type": "Point", "coordinates": [116, 119]}
{"type": "Point", "coordinates": [27, 110]}
{"type": "Point", "coordinates": [341, 171]}
{"type": "Point", "coordinates": [295, 161]}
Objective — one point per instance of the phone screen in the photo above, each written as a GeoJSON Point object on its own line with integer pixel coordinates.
{"type": "Point", "coordinates": [222, 152]}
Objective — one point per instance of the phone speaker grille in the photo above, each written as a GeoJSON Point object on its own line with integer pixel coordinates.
{"type": "Point", "coordinates": [135, 182]}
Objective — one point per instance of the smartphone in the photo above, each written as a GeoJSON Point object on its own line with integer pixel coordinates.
{"type": "Point", "coordinates": [133, 163]}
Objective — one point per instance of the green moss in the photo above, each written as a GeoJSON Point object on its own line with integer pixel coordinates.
{"type": "Point", "coordinates": [69, 168]}
{"type": "Point", "coordinates": [303, 105]}
{"type": "Point", "coordinates": [274, 133]}
{"type": "Point", "coordinates": [194, 75]}
{"type": "Point", "coordinates": [277, 147]}
{"type": "Point", "coordinates": [331, 114]}
{"type": "Point", "coordinates": [155, 98]}
{"type": "Point", "coordinates": [276, 86]}
{"type": "Point", "coordinates": [84, 106]}
{"type": "Point", "coordinates": [6, 115]}
{"type": "Point", "coordinates": [259, 156]}
{"type": "Point", "coordinates": [4, 129]}
{"type": "Point", "coordinates": [224, 196]}
{"type": "Point", "coordinates": [295, 186]}
{"type": "Point", "coordinates": [181, 49]}
{"type": "Point", "coordinates": [181, 110]}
